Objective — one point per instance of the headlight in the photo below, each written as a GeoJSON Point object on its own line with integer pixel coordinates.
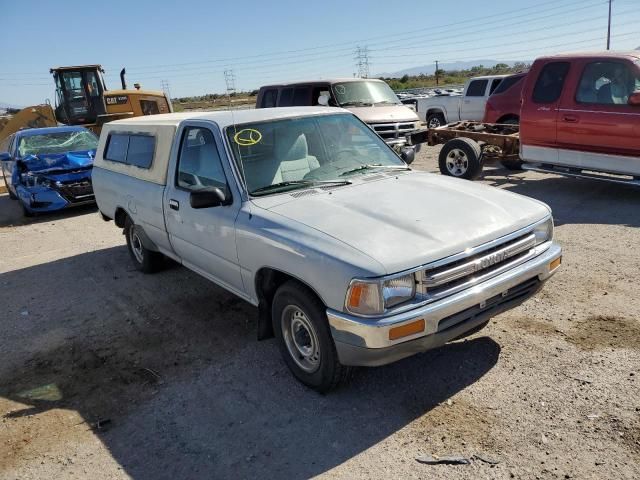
{"type": "Point", "coordinates": [30, 180]}
{"type": "Point", "coordinates": [373, 297]}
{"type": "Point", "coordinates": [544, 231]}
{"type": "Point", "coordinates": [398, 290]}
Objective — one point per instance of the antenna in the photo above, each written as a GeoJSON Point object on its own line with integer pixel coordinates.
{"type": "Point", "coordinates": [230, 80]}
{"type": "Point", "coordinates": [609, 28]}
{"type": "Point", "coordinates": [362, 61]}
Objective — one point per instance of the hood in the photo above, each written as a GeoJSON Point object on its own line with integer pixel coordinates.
{"type": "Point", "coordinates": [410, 219]}
{"type": "Point", "coordinates": [384, 114]}
{"type": "Point", "coordinates": [49, 163]}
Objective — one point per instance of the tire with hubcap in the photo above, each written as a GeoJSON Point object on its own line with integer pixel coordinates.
{"type": "Point", "coordinates": [460, 157]}
{"type": "Point", "coordinates": [304, 338]}
{"type": "Point", "coordinates": [145, 260]}
{"type": "Point", "coordinates": [435, 120]}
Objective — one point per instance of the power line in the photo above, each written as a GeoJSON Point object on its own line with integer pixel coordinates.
{"type": "Point", "coordinates": [505, 22]}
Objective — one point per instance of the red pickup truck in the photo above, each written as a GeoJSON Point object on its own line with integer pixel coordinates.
{"type": "Point", "coordinates": [580, 116]}
{"type": "Point", "coordinates": [583, 111]}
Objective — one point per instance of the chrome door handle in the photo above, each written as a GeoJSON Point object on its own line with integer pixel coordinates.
{"type": "Point", "coordinates": [174, 204]}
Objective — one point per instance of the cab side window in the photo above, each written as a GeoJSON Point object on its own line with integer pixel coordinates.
{"type": "Point", "coordinates": [606, 83]}
{"type": "Point", "coordinates": [477, 88]}
{"type": "Point", "coordinates": [549, 84]}
{"type": "Point", "coordinates": [286, 97]}
{"type": "Point", "coordinates": [269, 98]}
{"type": "Point", "coordinates": [494, 85]}
{"type": "Point", "coordinates": [199, 164]}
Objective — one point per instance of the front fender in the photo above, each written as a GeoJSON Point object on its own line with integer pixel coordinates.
{"type": "Point", "coordinates": [323, 263]}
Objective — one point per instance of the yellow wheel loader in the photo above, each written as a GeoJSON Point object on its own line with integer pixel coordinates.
{"type": "Point", "coordinates": [82, 99]}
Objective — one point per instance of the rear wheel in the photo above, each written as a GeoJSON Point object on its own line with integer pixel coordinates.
{"type": "Point", "coordinates": [301, 327]}
{"type": "Point", "coordinates": [435, 120]}
{"type": "Point", "coordinates": [509, 121]}
{"type": "Point", "coordinates": [460, 157]}
{"type": "Point", "coordinates": [145, 260]}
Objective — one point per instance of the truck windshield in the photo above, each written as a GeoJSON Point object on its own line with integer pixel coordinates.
{"type": "Point", "coordinates": [294, 153]}
{"type": "Point", "coordinates": [58, 142]}
{"type": "Point", "coordinates": [364, 93]}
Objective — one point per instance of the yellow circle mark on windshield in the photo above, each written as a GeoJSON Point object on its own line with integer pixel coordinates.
{"type": "Point", "coordinates": [247, 137]}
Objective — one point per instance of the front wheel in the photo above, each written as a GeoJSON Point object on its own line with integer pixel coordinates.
{"type": "Point", "coordinates": [435, 120]}
{"type": "Point", "coordinates": [12, 195]}
{"type": "Point", "coordinates": [460, 157]}
{"type": "Point", "coordinates": [145, 260]}
{"type": "Point", "coordinates": [305, 342]}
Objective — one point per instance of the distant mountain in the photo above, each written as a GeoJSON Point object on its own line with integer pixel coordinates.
{"type": "Point", "coordinates": [430, 69]}
{"type": "Point", "coordinates": [4, 105]}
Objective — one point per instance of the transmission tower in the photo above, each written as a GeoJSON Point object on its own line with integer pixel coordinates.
{"type": "Point", "coordinates": [362, 61]}
{"type": "Point", "coordinates": [165, 88]}
{"type": "Point", "coordinates": [230, 80]}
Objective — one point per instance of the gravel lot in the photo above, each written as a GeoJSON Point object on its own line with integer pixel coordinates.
{"type": "Point", "coordinates": [108, 373]}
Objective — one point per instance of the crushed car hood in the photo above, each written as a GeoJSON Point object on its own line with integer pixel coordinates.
{"type": "Point", "coordinates": [53, 163]}
{"type": "Point", "coordinates": [406, 220]}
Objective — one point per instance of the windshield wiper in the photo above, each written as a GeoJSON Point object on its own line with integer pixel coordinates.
{"type": "Point", "coordinates": [386, 102]}
{"type": "Point", "coordinates": [356, 104]}
{"type": "Point", "coordinates": [301, 183]}
{"type": "Point", "coordinates": [370, 166]}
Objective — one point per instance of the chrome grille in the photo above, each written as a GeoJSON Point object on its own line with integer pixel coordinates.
{"type": "Point", "coordinates": [449, 278]}
{"type": "Point", "coordinates": [392, 131]}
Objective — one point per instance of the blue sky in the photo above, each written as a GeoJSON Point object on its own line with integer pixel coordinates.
{"type": "Point", "coordinates": [191, 43]}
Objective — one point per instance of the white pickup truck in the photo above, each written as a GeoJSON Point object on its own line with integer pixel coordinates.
{"type": "Point", "coordinates": [443, 109]}
{"type": "Point", "coordinates": [351, 257]}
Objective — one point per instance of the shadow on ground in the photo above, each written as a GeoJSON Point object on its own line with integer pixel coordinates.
{"type": "Point", "coordinates": [574, 200]}
{"type": "Point", "coordinates": [171, 361]}
{"type": "Point", "coordinates": [11, 213]}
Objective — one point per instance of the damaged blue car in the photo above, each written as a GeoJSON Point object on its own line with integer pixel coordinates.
{"type": "Point", "coordinates": [48, 169]}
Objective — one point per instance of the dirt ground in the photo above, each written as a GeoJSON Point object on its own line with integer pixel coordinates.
{"type": "Point", "coordinates": [109, 373]}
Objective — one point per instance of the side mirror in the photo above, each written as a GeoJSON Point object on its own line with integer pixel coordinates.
{"type": "Point", "coordinates": [211, 197]}
{"type": "Point", "coordinates": [634, 99]}
{"type": "Point", "coordinates": [4, 156]}
{"type": "Point", "coordinates": [408, 155]}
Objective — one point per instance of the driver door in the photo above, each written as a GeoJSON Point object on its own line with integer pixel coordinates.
{"type": "Point", "coordinates": [204, 238]}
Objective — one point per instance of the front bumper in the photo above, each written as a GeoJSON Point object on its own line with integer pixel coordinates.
{"type": "Point", "coordinates": [44, 199]}
{"type": "Point", "coordinates": [365, 342]}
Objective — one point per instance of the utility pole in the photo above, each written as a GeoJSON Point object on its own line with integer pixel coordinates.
{"type": "Point", "coordinates": [230, 80]}
{"type": "Point", "coordinates": [609, 28]}
{"type": "Point", "coordinates": [362, 61]}
{"type": "Point", "coordinates": [437, 74]}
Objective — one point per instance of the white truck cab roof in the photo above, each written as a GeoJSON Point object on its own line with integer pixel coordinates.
{"type": "Point", "coordinates": [224, 118]}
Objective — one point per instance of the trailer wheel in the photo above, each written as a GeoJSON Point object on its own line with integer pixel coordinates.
{"type": "Point", "coordinates": [435, 120]}
{"type": "Point", "coordinates": [460, 157]}
{"type": "Point", "coordinates": [514, 165]}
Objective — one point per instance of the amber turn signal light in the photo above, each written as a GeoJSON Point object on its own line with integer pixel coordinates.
{"type": "Point", "coordinates": [555, 264]}
{"type": "Point", "coordinates": [405, 330]}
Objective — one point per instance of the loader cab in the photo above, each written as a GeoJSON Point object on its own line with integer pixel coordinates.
{"type": "Point", "coordinates": [79, 94]}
